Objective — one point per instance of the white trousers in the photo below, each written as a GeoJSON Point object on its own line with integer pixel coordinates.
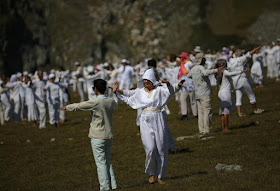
{"type": "Point", "coordinates": [2, 119]}
{"type": "Point", "coordinates": [247, 88]}
{"type": "Point", "coordinates": [81, 91]}
{"type": "Point", "coordinates": [204, 114]}
{"type": "Point", "coordinates": [101, 149]}
{"type": "Point", "coordinates": [15, 109]}
{"type": "Point", "coordinates": [184, 96]}
{"type": "Point", "coordinates": [54, 105]}
{"type": "Point", "coordinates": [42, 112]}
{"type": "Point", "coordinates": [6, 105]}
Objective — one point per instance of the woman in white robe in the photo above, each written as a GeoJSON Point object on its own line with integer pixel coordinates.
{"type": "Point", "coordinates": [225, 94]}
{"type": "Point", "coordinates": [257, 72]}
{"type": "Point", "coordinates": [153, 124]}
{"type": "Point", "coordinates": [32, 114]}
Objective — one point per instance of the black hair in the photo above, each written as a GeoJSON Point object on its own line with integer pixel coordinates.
{"type": "Point", "coordinates": [100, 85]}
{"type": "Point", "coordinates": [152, 63]}
{"type": "Point", "coordinates": [219, 75]}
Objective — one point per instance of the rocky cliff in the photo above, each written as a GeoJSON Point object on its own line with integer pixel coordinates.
{"type": "Point", "coordinates": [50, 33]}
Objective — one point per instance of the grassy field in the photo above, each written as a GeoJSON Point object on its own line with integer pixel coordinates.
{"type": "Point", "coordinates": [67, 163]}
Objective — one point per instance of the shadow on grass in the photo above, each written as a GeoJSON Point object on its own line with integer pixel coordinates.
{"type": "Point", "coordinates": [186, 175]}
{"type": "Point", "coordinates": [244, 126]}
{"type": "Point", "coordinates": [168, 178]}
{"type": "Point", "coordinates": [186, 150]}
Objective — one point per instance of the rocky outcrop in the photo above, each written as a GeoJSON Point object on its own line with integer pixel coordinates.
{"type": "Point", "coordinates": [46, 34]}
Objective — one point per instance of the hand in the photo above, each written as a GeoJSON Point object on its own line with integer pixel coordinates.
{"type": "Point", "coordinates": [115, 88]}
{"type": "Point", "coordinates": [181, 83]}
{"type": "Point", "coordinates": [165, 82]}
{"type": "Point", "coordinates": [243, 71]}
{"type": "Point", "coordinates": [63, 108]}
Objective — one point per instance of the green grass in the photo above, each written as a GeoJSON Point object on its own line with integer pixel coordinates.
{"type": "Point", "coordinates": [66, 164]}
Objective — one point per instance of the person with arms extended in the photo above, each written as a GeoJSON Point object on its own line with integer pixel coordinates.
{"type": "Point", "coordinates": [100, 131]}
{"type": "Point", "coordinates": [153, 124]}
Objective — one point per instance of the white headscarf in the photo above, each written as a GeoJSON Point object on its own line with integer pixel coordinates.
{"type": "Point", "coordinates": [150, 75]}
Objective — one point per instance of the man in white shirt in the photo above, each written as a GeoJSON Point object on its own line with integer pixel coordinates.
{"type": "Point", "coordinates": [240, 82]}
{"type": "Point", "coordinates": [126, 75]}
{"type": "Point", "coordinates": [40, 98]}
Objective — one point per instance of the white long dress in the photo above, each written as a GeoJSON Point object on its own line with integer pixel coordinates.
{"type": "Point", "coordinates": [153, 126]}
{"type": "Point", "coordinates": [32, 114]}
{"type": "Point", "coordinates": [225, 96]}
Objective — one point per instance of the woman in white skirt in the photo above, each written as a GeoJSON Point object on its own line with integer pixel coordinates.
{"type": "Point", "coordinates": [225, 95]}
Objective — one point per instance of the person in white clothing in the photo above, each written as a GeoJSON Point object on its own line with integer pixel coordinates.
{"type": "Point", "coordinates": [257, 72]}
{"type": "Point", "coordinates": [153, 124]}
{"type": "Point", "coordinates": [15, 85]}
{"type": "Point", "coordinates": [126, 75]}
{"type": "Point", "coordinates": [187, 89]}
{"type": "Point", "coordinates": [2, 91]}
{"type": "Point", "coordinates": [272, 67]}
{"type": "Point", "coordinates": [40, 97]}
{"type": "Point", "coordinates": [53, 99]}
{"type": "Point", "coordinates": [225, 95]}
{"type": "Point", "coordinates": [78, 75]}
{"type": "Point", "coordinates": [240, 81]}
{"type": "Point", "coordinates": [32, 114]}
{"type": "Point", "coordinates": [5, 99]}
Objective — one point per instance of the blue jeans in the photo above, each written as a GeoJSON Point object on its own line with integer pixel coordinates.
{"type": "Point", "coordinates": [102, 153]}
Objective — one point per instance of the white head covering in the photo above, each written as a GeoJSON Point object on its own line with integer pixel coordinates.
{"type": "Point", "coordinates": [124, 61]}
{"type": "Point", "coordinates": [52, 75]}
{"type": "Point", "coordinates": [197, 49]}
{"type": "Point", "coordinates": [19, 74]}
{"type": "Point", "coordinates": [77, 63]}
{"type": "Point", "coordinates": [13, 78]}
{"type": "Point", "coordinates": [90, 68]}
{"type": "Point", "coordinates": [150, 75]}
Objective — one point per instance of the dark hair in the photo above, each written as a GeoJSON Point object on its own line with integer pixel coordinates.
{"type": "Point", "coordinates": [100, 85]}
{"type": "Point", "coordinates": [152, 63]}
{"type": "Point", "coordinates": [219, 75]}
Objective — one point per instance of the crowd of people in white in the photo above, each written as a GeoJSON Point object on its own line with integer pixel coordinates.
{"type": "Point", "coordinates": [24, 96]}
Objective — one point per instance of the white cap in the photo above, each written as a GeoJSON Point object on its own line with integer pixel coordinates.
{"type": "Point", "coordinates": [106, 64]}
{"type": "Point", "coordinates": [124, 60]}
{"type": "Point", "coordinates": [77, 63]}
{"type": "Point", "coordinates": [90, 68]}
{"type": "Point", "coordinates": [52, 75]}
{"type": "Point", "coordinates": [19, 74]}
{"type": "Point", "coordinates": [25, 73]}
{"type": "Point", "coordinates": [197, 49]}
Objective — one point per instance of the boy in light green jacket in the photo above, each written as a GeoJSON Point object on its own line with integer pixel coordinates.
{"type": "Point", "coordinates": [100, 131]}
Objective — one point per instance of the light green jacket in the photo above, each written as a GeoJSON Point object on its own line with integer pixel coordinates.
{"type": "Point", "coordinates": [101, 115]}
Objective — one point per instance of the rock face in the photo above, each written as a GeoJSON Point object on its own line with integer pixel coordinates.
{"type": "Point", "coordinates": [46, 34]}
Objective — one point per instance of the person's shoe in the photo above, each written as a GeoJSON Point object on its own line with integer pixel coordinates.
{"type": "Point", "coordinates": [56, 125]}
{"type": "Point", "coordinates": [183, 117]}
{"type": "Point", "coordinates": [258, 111]}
